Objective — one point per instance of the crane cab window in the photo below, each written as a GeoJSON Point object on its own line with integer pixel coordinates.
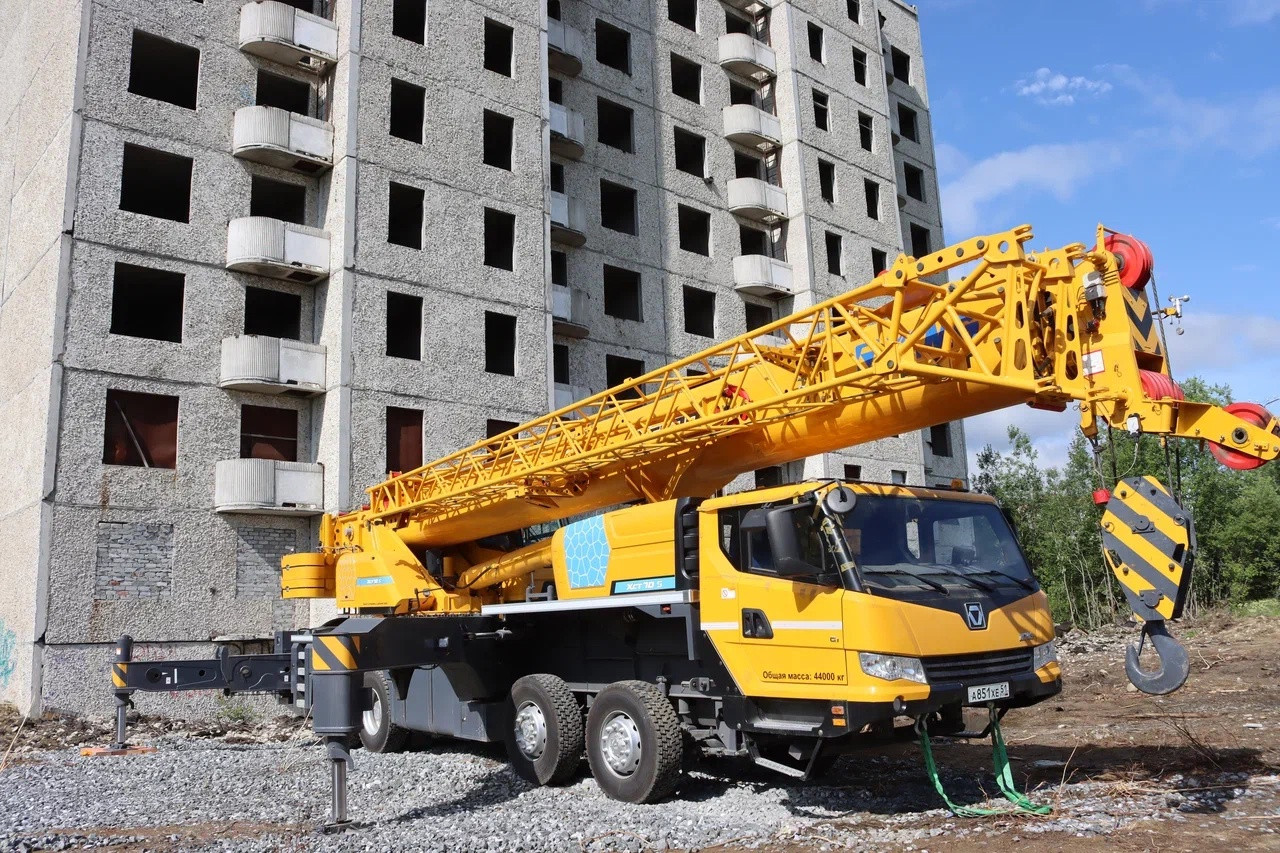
{"type": "Point", "coordinates": [748, 549]}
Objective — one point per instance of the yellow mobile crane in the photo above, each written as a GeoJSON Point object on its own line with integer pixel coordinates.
{"type": "Point", "coordinates": [776, 623]}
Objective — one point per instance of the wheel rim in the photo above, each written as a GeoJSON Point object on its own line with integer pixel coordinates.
{"type": "Point", "coordinates": [531, 731]}
{"type": "Point", "coordinates": [620, 743]}
{"type": "Point", "coordinates": [372, 718]}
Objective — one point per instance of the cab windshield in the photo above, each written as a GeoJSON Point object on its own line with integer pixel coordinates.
{"type": "Point", "coordinates": [903, 542]}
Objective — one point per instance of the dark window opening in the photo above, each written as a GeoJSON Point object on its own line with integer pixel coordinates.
{"type": "Point", "coordinates": [268, 433]}
{"type": "Point", "coordinates": [555, 90]}
{"type": "Point", "coordinates": [557, 177]}
{"type": "Point", "coordinates": [499, 131]}
{"type": "Point", "coordinates": [559, 267]}
{"type": "Point", "coordinates": [613, 125]}
{"type": "Point", "coordinates": [908, 125]}
{"type": "Point", "coordinates": [741, 93]}
{"type": "Point", "coordinates": [901, 65]}
{"type": "Point", "coordinates": [147, 303]}
{"type": "Point", "coordinates": [747, 166]}
{"type": "Point", "coordinates": [835, 248]}
{"type": "Point", "coordinates": [619, 369]}
{"type": "Point", "coordinates": [853, 472]}
{"type": "Point", "coordinates": [816, 45]}
{"type": "Point", "coordinates": [404, 325]}
{"type": "Point", "coordinates": [498, 40]}
{"type": "Point", "coordinates": [285, 93]}
{"type": "Point", "coordinates": [553, 9]}
{"type": "Point", "coordinates": [919, 241]}
{"type": "Point", "coordinates": [408, 108]}
{"type": "Point", "coordinates": [866, 132]}
{"type": "Point", "coordinates": [155, 183]}
{"type": "Point", "coordinates": [699, 312]}
{"type": "Point", "coordinates": [753, 241]}
{"type": "Point", "coordinates": [409, 20]}
{"type": "Point", "coordinates": [827, 180]}
{"type": "Point", "coordinates": [686, 79]}
{"type": "Point", "coordinates": [821, 110]}
{"type": "Point", "coordinates": [691, 152]}
{"type": "Point", "coordinates": [854, 10]}
{"type": "Point", "coordinates": [494, 427]}
{"type": "Point", "coordinates": [898, 478]}
{"type": "Point", "coordinates": [940, 440]}
{"type": "Point", "coordinates": [859, 67]}
{"type": "Point", "coordinates": [684, 13]}
{"type": "Point", "coordinates": [499, 343]}
{"type": "Point", "coordinates": [140, 430]}
{"type": "Point", "coordinates": [769, 477]}
{"type": "Point", "coordinates": [404, 215]}
{"type": "Point", "coordinates": [272, 313]}
{"type": "Point", "coordinates": [164, 70]}
{"type": "Point", "coordinates": [737, 24]}
{"type": "Point", "coordinates": [758, 315]}
{"type": "Point", "coordinates": [914, 180]}
{"type": "Point", "coordinates": [613, 47]}
{"type": "Point", "coordinates": [278, 200]}
{"type": "Point", "coordinates": [404, 439]}
{"type": "Point", "coordinates": [499, 239]}
{"type": "Point", "coordinates": [617, 207]}
{"type": "Point", "coordinates": [695, 229]}
{"type": "Point", "coordinates": [872, 191]}
{"type": "Point", "coordinates": [560, 363]}
{"type": "Point", "coordinates": [879, 261]}
{"type": "Point", "coordinates": [622, 294]}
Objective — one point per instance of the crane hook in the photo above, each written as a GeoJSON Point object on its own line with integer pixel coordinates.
{"type": "Point", "coordinates": [1174, 664]}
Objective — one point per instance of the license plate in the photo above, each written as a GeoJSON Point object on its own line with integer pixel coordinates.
{"type": "Point", "coordinates": [988, 692]}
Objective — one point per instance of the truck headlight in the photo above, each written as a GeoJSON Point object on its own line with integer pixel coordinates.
{"type": "Point", "coordinates": [1044, 655]}
{"type": "Point", "coordinates": [892, 667]}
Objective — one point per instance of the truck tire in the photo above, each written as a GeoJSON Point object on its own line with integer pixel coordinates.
{"type": "Point", "coordinates": [634, 742]}
{"type": "Point", "coordinates": [544, 740]}
{"type": "Point", "coordinates": [377, 732]}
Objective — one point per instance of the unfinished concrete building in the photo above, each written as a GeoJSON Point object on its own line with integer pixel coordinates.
{"type": "Point", "coordinates": [256, 254]}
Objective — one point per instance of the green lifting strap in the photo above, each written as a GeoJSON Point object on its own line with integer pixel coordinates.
{"type": "Point", "coordinates": [1004, 774]}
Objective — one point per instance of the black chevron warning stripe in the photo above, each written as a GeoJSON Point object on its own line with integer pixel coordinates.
{"type": "Point", "coordinates": [1143, 324]}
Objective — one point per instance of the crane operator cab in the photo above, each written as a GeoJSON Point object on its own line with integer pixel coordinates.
{"type": "Point", "coordinates": [847, 605]}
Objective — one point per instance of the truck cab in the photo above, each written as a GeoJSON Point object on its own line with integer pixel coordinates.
{"type": "Point", "coordinates": [837, 605]}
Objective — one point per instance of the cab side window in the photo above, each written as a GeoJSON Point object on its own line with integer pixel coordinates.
{"type": "Point", "coordinates": [747, 550]}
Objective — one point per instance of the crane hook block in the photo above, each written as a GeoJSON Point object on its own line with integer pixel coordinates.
{"type": "Point", "coordinates": [1174, 664]}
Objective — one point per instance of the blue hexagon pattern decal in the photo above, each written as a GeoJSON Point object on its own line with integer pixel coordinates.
{"type": "Point", "coordinates": [586, 552]}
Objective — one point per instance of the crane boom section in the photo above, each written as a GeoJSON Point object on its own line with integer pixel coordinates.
{"type": "Point", "coordinates": [903, 352]}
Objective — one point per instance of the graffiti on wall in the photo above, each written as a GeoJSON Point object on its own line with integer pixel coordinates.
{"type": "Point", "coordinates": [8, 651]}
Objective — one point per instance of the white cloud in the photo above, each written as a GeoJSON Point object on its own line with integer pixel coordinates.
{"type": "Point", "coordinates": [1055, 89]}
{"type": "Point", "coordinates": [1055, 169]}
{"type": "Point", "coordinates": [1251, 12]}
{"type": "Point", "coordinates": [1050, 433]}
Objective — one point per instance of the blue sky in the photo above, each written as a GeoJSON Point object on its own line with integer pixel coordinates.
{"type": "Point", "coordinates": [1156, 117]}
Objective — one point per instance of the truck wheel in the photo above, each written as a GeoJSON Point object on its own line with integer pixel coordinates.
{"type": "Point", "coordinates": [377, 732]}
{"type": "Point", "coordinates": [634, 742]}
{"type": "Point", "coordinates": [544, 741]}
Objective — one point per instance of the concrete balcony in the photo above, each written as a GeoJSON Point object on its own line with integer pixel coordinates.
{"type": "Point", "coordinates": [272, 366]}
{"type": "Point", "coordinates": [752, 198]}
{"type": "Point", "coordinates": [568, 312]}
{"type": "Point", "coordinates": [568, 133]}
{"type": "Point", "coordinates": [277, 249]}
{"type": "Point", "coordinates": [564, 49]}
{"type": "Point", "coordinates": [567, 395]}
{"type": "Point", "coordinates": [568, 222]}
{"type": "Point", "coordinates": [759, 275]}
{"type": "Point", "coordinates": [750, 125]}
{"type": "Point", "coordinates": [268, 487]}
{"type": "Point", "coordinates": [751, 7]}
{"type": "Point", "coordinates": [744, 55]}
{"type": "Point", "coordinates": [281, 33]}
{"type": "Point", "coordinates": [280, 138]}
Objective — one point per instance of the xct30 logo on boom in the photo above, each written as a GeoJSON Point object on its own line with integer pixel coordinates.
{"type": "Point", "coordinates": [976, 615]}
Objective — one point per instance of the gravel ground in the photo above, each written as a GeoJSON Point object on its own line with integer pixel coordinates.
{"type": "Point", "coordinates": [1198, 776]}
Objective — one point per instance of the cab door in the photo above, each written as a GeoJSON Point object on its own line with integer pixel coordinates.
{"type": "Point", "coordinates": [778, 637]}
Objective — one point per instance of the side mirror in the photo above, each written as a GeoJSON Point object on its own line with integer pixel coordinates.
{"type": "Point", "coordinates": [784, 540]}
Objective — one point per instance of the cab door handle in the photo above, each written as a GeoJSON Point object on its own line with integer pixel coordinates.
{"type": "Point", "coordinates": [755, 625]}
